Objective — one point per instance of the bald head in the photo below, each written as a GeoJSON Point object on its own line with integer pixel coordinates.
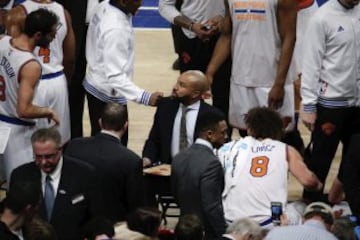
{"type": "Point", "coordinates": [190, 87]}
{"type": "Point", "coordinates": [197, 79]}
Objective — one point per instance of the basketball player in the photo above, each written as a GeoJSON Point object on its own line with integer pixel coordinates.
{"type": "Point", "coordinates": [256, 169]}
{"type": "Point", "coordinates": [57, 61]}
{"type": "Point", "coordinates": [19, 75]}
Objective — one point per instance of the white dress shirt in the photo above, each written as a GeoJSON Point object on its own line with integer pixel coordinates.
{"type": "Point", "coordinates": [191, 116]}
{"type": "Point", "coordinates": [55, 177]}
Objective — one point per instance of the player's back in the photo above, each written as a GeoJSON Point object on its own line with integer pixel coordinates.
{"type": "Point", "coordinates": [51, 58]}
{"type": "Point", "coordinates": [11, 62]}
{"type": "Point", "coordinates": [255, 174]}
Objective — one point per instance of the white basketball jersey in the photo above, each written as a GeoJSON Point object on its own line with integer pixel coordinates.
{"type": "Point", "coordinates": [255, 175]}
{"type": "Point", "coordinates": [51, 58]}
{"type": "Point", "coordinates": [11, 62]}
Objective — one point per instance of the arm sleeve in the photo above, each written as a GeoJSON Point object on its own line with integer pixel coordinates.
{"type": "Point", "coordinates": [314, 50]}
{"type": "Point", "coordinates": [168, 10]}
{"type": "Point", "coordinates": [117, 67]}
{"type": "Point", "coordinates": [212, 184]}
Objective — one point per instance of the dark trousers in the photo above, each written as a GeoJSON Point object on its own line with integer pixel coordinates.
{"type": "Point", "coordinates": [331, 127]}
{"type": "Point", "coordinates": [77, 91]}
{"type": "Point", "coordinates": [196, 54]}
{"type": "Point", "coordinates": [96, 107]}
{"type": "Point", "coordinates": [350, 174]}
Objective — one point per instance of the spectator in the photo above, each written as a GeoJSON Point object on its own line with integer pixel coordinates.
{"type": "Point", "coordinates": [343, 228]}
{"type": "Point", "coordinates": [318, 219]}
{"type": "Point", "coordinates": [21, 203]}
{"type": "Point", "coordinates": [141, 224]}
{"type": "Point", "coordinates": [243, 229]}
{"type": "Point", "coordinates": [98, 228]}
{"type": "Point", "coordinates": [189, 227]}
{"type": "Point", "coordinates": [38, 229]}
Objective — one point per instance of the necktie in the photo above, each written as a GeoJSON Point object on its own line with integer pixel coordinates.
{"type": "Point", "coordinates": [183, 137]}
{"type": "Point", "coordinates": [49, 196]}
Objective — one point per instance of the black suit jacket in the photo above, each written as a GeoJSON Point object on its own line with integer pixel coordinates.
{"type": "Point", "coordinates": [77, 199]}
{"type": "Point", "coordinates": [197, 182]}
{"type": "Point", "coordinates": [158, 145]}
{"type": "Point", "coordinates": [120, 172]}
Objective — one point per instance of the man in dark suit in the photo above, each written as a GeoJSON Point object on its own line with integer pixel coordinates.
{"type": "Point", "coordinates": [120, 169]}
{"type": "Point", "coordinates": [197, 178]}
{"type": "Point", "coordinates": [71, 195]}
{"type": "Point", "coordinates": [162, 144]}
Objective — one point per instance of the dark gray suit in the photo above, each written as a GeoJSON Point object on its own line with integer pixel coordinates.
{"type": "Point", "coordinates": [197, 182]}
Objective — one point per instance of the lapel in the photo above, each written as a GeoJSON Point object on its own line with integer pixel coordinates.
{"type": "Point", "coordinates": [62, 195]}
{"type": "Point", "coordinates": [170, 112]}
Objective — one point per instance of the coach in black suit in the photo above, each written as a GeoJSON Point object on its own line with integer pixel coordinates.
{"type": "Point", "coordinates": [74, 195]}
{"type": "Point", "coordinates": [197, 178]}
{"type": "Point", "coordinates": [188, 91]}
{"type": "Point", "coordinates": [119, 168]}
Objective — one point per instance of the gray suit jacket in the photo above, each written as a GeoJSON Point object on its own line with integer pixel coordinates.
{"type": "Point", "coordinates": [197, 182]}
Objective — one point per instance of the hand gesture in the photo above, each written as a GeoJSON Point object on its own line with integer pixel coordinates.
{"type": "Point", "coordinates": [154, 98]}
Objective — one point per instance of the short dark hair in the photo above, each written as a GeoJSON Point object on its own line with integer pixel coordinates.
{"type": "Point", "coordinates": [208, 121]}
{"type": "Point", "coordinates": [46, 134]}
{"type": "Point", "coordinates": [41, 20]}
{"type": "Point", "coordinates": [38, 229]}
{"type": "Point", "coordinates": [21, 194]}
{"type": "Point", "coordinates": [98, 226]}
{"type": "Point", "coordinates": [114, 116]}
{"type": "Point", "coordinates": [343, 228]}
{"type": "Point", "coordinates": [145, 220]}
{"type": "Point", "coordinates": [189, 227]}
{"type": "Point", "coordinates": [264, 122]}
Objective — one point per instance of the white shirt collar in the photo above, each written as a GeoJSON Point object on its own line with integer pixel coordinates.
{"type": "Point", "coordinates": [204, 142]}
{"type": "Point", "coordinates": [194, 106]}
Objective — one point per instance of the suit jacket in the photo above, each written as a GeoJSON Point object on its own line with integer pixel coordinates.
{"type": "Point", "coordinates": [197, 182]}
{"type": "Point", "coordinates": [77, 199]}
{"type": "Point", "coordinates": [119, 168]}
{"type": "Point", "coordinates": [158, 145]}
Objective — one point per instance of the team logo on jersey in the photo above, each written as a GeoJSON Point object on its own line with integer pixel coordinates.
{"type": "Point", "coordinates": [250, 10]}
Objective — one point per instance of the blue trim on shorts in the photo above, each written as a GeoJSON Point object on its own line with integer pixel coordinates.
{"type": "Point", "coordinates": [16, 121]}
{"type": "Point", "coordinates": [51, 75]}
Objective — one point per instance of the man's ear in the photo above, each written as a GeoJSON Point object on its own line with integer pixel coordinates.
{"type": "Point", "coordinates": [126, 124]}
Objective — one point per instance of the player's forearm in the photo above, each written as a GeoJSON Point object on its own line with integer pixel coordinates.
{"type": "Point", "coordinates": [285, 59]}
{"type": "Point", "coordinates": [68, 68]}
{"type": "Point", "coordinates": [34, 111]}
{"type": "Point", "coordinates": [312, 183]}
{"type": "Point", "coordinates": [220, 54]}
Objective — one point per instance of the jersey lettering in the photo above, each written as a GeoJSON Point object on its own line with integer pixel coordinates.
{"type": "Point", "coordinates": [259, 166]}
